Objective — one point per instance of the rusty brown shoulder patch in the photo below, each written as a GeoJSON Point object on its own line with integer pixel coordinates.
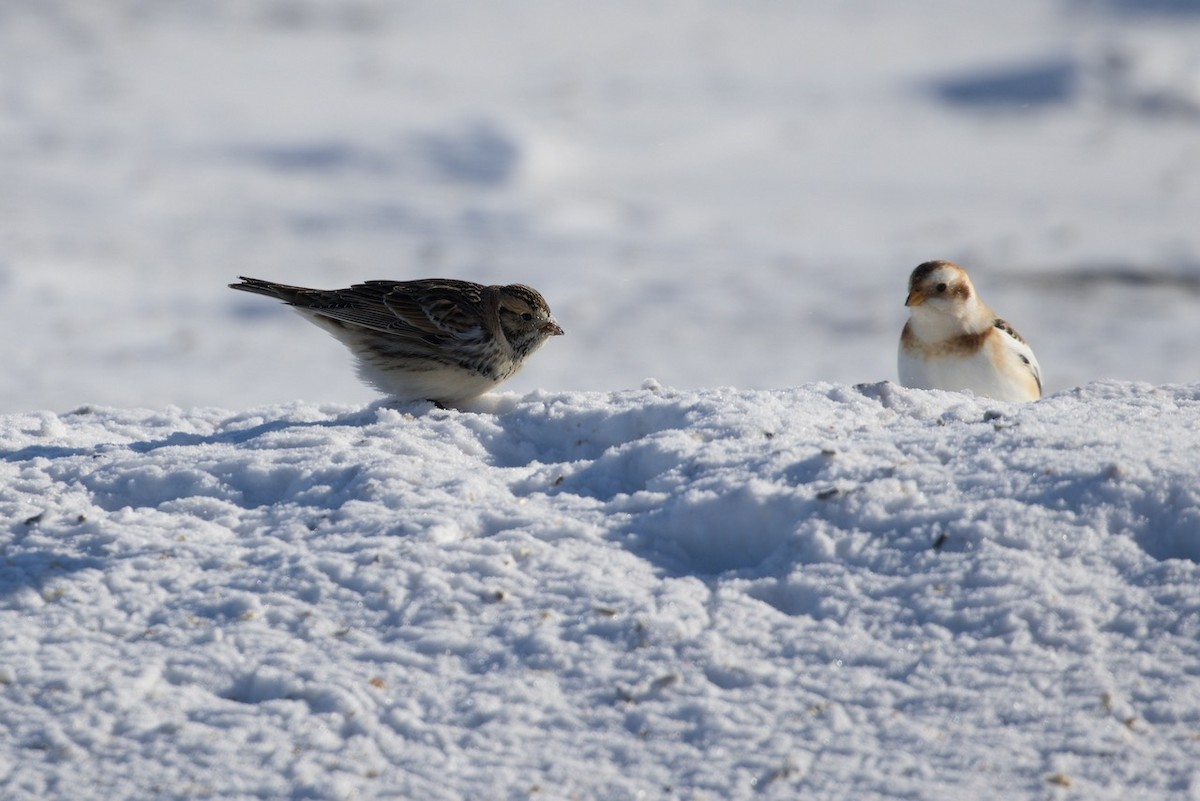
{"type": "Point", "coordinates": [961, 345]}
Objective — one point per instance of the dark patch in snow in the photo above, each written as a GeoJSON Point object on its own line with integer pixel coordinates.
{"type": "Point", "coordinates": [1185, 278]}
{"type": "Point", "coordinates": [479, 154]}
{"type": "Point", "coordinates": [321, 156]}
{"type": "Point", "coordinates": [1047, 83]}
{"type": "Point", "coordinates": [1144, 8]}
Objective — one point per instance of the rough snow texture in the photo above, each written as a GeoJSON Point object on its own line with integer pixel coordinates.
{"type": "Point", "coordinates": [821, 592]}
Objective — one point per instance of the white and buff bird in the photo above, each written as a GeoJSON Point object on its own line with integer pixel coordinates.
{"type": "Point", "coordinates": [953, 341]}
{"type": "Point", "coordinates": [433, 339]}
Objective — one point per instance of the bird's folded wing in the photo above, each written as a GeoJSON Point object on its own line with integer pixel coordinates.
{"type": "Point", "coordinates": [1017, 344]}
{"type": "Point", "coordinates": [445, 309]}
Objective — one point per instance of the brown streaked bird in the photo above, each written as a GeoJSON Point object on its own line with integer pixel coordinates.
{"type": "Point", "coordinates": [433, 339]}
{"type": "Point", "coordinates": [953, 341]}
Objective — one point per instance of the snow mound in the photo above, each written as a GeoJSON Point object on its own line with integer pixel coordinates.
{"type": "Point", "coordinates": [823, 591]}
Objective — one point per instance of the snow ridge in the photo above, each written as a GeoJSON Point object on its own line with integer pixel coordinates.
{"type": "Point", "coordinates": [828, 591]}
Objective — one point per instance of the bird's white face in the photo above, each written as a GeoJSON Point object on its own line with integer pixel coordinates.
{"type": "Point", "coordinates": [941, 288]}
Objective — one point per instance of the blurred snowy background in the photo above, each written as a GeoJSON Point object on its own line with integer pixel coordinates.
{"type": "Point", "coordinates": [708, 193]}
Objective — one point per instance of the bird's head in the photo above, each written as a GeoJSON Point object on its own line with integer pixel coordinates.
{"type": "Point", "coordinates": [941, 287]}
{"type": "Point", "coordinates": [525, 318]}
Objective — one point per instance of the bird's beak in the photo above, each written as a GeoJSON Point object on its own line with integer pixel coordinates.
{"type": "Point", "coordinates": [552, 329]}
{"type": "Point", "coordinates": [915, 298]}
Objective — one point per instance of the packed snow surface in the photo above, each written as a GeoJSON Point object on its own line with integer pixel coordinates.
{"type": "Point", "coordinates": [830, 591]}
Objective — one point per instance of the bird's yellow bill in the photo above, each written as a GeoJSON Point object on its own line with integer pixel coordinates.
{"type": "Point", "coordinates": [915, 298]}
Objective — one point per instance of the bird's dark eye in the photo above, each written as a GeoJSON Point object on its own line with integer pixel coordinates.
{"type": "Point", "coordinates": [941, 287]}
{"type": "Point", "coordinates": [526, 316]}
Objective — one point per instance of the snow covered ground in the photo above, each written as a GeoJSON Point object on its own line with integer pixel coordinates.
{"type": "Point", "coordinates": [227, 570]}
{"type": "Point", "coordinates": [824, 592]}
